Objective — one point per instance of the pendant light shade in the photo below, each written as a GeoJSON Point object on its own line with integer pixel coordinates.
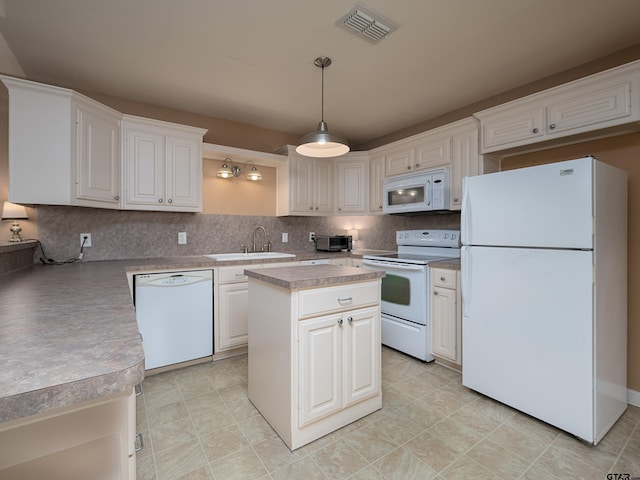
{"type": "Point", "coordinates": [322, 143]}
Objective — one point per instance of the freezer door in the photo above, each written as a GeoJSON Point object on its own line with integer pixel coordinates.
{"type": "Point", "coordinates": [548, 206]}
{"type": "Point", "coordinates": [527, 336]}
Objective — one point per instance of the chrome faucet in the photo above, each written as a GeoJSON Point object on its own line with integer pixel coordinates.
{"type": "Point", "coordinates": [254, 237]}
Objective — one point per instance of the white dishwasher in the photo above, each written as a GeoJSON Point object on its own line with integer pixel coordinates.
{"type": "Point", "coordinates": [175, 316]}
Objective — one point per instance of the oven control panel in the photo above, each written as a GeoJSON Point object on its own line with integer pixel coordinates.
{"type": "Point", "coordinates": [429, 238]}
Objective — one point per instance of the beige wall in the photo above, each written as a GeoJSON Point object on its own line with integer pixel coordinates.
{"type": "Point", "coordinates": [622, 152]}
{"type": "Point", "coordinates": [238, 196]}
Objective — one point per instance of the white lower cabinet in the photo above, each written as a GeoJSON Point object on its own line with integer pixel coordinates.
{"type": "Point", "coordinates": [231, 302]}
{"type": "Point", "coordinates": [446, 315]}
{"type": "Point", "coordinates": [337, 362]}
{"type": "Point", "coordinates": [93, 440]}
{"type": "Point", "coordinates": [315, 361]}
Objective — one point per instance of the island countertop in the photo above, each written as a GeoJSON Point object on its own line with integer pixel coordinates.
{"type": "Point", "coordinates": [315, 276]}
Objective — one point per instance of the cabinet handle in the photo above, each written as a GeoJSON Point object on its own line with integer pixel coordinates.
{"type": "Point", "coordinates": [159, 200]}
{"type": "Point", "coordinates": [116, 197]}
{"type": "Point", "coordinates": [340, 321]}
{"type": "Point", "coordinates": [350, 319]}
{"type": "Point", "coordinates": [138, 393]}
{"type": "Point", "coordinates": [170, 201]}
{"type": "Point", "coordinates": [535, 130]}
{"type": "Point", "coordinates": [345, 299]}
{"type": "Point", "coordinates": [552, 126]}
{"type": "Point", "coordinates": [139, 437]}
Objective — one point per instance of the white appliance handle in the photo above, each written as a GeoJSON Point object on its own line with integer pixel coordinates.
{"type": "Point", "coordinates": [465, 217]}
{"type": "Point", "coordinates": [393, 265]}
{"type": "Point", "coordinates": [465, 262]}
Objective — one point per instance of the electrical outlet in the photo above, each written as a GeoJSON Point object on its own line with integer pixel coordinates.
{"type": "Point", "coordinates": [85, 243]}
{"type": "Point", "coordinates": [312, 236]}
{"type": "Point", "coordinates": [285, 237]}
{"type": "Point", "coordinates": [182, 238]}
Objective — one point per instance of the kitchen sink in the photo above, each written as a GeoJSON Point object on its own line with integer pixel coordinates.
{"type": "Point", "coordinates": [248, 256]}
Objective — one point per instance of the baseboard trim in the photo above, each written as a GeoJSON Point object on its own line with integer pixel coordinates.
{"type": "Point", "coordinates": [633, 397]}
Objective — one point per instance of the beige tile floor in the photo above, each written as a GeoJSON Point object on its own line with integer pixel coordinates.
{"type": "Point", "coordinates": [198, 424]}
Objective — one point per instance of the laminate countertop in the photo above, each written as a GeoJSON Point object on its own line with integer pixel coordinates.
{"type": "Point", "coordinates": [315, 276]}
{"type": "Point", "coordinates": [68, 333]}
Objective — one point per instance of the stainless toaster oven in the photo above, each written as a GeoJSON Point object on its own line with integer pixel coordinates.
{"type": "Point", "coordinates": [333, 243]}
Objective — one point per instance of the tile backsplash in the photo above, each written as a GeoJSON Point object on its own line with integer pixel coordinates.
{"type": "Point", "coordinates": [136, 234]}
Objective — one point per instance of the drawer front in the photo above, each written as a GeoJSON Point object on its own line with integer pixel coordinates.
{"type": "Point", "coordinates": [338, 298]}
{"type": "Point", "coordinates": [442, 277]}
{"type": "Point", "coordinates": [233, 274]}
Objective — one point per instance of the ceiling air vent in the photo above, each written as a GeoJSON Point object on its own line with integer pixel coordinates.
{"type": "Point", "coordinates": [366, 24]}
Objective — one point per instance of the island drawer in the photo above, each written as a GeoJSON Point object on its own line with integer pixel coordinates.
{"type": "Point", "coordinates": [337, 298]}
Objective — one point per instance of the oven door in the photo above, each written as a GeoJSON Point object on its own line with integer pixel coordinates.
{"type": "Point", "coordinates": [404, 289]}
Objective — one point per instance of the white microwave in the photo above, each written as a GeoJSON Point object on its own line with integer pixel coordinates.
{"type": "Point", "coordinates": [417, 192]}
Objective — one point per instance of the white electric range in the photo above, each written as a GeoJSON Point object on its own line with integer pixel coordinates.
{"type": "Point", "coordinates": [405, 288]}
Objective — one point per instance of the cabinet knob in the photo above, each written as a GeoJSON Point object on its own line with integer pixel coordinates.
{"type": "Point", "coordinates": [408, 167]}
{"type": "Point", "coordinates": [456, 199]}
{"type": "Point", "coordinates": [552, 126]}
{"type": "Point", "coordinates": [417, 165]}
{"type": "Point", "coordinates": [170, 201]}
{"type": "Point", "coordinates": [435, 293]}
{"type": "Point", "coordinates": [310, 208]}
{"type": "Point", "coordinates": [339, 209]}
{"type": "Point", "coordinates": [340, 321]}
{"type": "Point", "coordinates": [350, 319]}
{"type": "Point", "coordinates": [442, 279]}
{"type": "Point", "coordinates": [535, 130]}
{"type": "Point", "coordinates": [116, 197]}
{"type": "Point", "coordinates": [159, 200]}
{"type": "Point", "coordinates": [316, 208]}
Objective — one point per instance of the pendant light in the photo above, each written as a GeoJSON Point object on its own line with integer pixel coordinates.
{"type": "Point", "coordinates": [322, 143]}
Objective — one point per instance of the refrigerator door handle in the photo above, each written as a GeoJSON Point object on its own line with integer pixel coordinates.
{"type": "Point", "coordinates": [465, 213]}
{"type": "Point", "coordinates": [466, 275]}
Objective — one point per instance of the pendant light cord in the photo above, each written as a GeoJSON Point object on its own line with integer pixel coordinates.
{"type": "Point", "coordinates": [322, 110]}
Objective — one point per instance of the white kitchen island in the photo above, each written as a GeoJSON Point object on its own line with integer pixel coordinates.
{"type": "Point", "coordinates": [314, 348]}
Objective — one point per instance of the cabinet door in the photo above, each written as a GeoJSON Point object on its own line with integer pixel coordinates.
{"type": "Point", "coordinates": [435, 152]}
{"type": "Point", "coordinates": [362, 355]}
{"type": "Point", "coordinates": [323, 185]}
{"type": "Point", "coordinates": [464, 163]}
{"type": "Point", "coordinates": [400, 161]}
{"type": "Point", "coordinates": [233, 312]}
{"type": "Point", "coordinates": [320, 367]}
{"type": "Point", "coordinates": [98, 156]}
{"type": "Point", "coordinates": [586, 108]}
{"type": "Point", "coordinates": [443, 323]}
{"type": "Point", "coordinates": [145, 172]}
{"type": "Point", "coordinates": [301, 184]}
{"type": "Point", "coordinates": [183, 172]}
{"type": "Point", "coordinates": [376, 178]}
{"type": "Point", "coordinates": [352, 186]}
{"type": "Point", "coordinates": [512, 126]}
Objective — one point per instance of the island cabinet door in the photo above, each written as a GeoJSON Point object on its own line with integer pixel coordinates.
{"type": "Point", "coordinates": [320, 363]}
{"type": "Point", "coordinates": [362, 355]}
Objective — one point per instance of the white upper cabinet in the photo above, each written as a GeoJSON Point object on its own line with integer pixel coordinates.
{"type": "Point", "coordinates": [601, 101]}
{"type": "Point", "coordinates": [162, 164]}
{"type": "Point", "coordinates": [376, 178]}
{"type": "Point", "coordinates": [305, 185]}
{"type": "Point", "coordinates": [352, 183]}
{"type": "Point", "coordinates": [67, 149]}
{"type": "Point", "coordinates": [64, 148]}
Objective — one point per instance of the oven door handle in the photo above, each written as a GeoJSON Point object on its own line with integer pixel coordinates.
{"type": "Point", "coordinates": [393, 265]}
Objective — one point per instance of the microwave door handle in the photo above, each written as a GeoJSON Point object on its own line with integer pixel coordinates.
{"type": "Point", "coordinates": [429, 193]}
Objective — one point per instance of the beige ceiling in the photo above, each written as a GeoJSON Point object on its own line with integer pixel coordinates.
{"type": "Point", "coordinates": [252, 60]}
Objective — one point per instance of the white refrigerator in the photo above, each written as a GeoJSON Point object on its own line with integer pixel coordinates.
{"type": "Point", "coordinates": [544, 292]}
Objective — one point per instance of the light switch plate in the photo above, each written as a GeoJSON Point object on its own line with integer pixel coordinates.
{"type": "Point", "coordinates": [182, 238]}
{"type": "Point", "coordinates": [85, 243]}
